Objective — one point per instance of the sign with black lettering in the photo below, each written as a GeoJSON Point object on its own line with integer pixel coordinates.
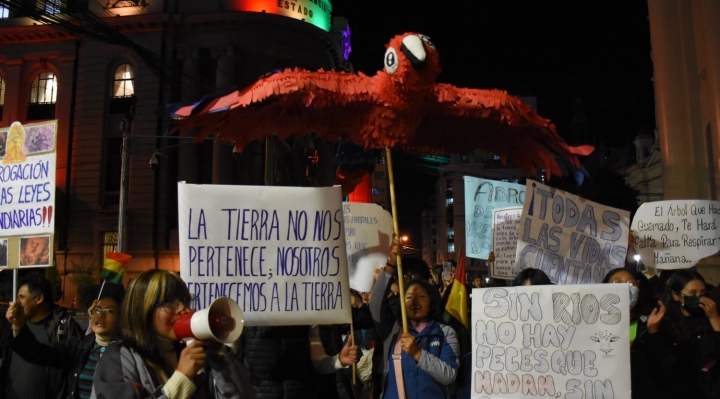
{"type": "Point", "coordinates": [279, 252]}
{"type": "Point", "coordinates": [554, 341]}
{"type": "Point", "coordinates": [482, 196]}
{"type": "Point", "coordinates": [571, 239]}
{"type": "Point", "coordinates": [676, 234]}
{"type": "Point", "coordinates": [27, 194]}
{"type": "Point", "coordinates": [506, 226]}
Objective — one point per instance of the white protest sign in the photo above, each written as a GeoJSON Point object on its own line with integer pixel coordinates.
{"type": "Point", "coordinates": [571, 239]}
{"type": "Point", "coordinates": [554, 341]}
{"type": "Point", "coordinates": [506, 226]}
{"type": "Point", "coordinates": [27, 194]}
{"type": "Point", "coordinates": [279, 252]}
{"type": "Point", "coordinates": [481, 197]}
{"type": "Point", "coordinates": [676, 234]}
{"type": "Point", "coordinates": [368, 235]}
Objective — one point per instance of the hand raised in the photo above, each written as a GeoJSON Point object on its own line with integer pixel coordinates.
{"type": "Point", "coordinates": [15, 315]}
{"type": "Point", "coordinates": [192, 359]}
{"type": "Point", "coordinates": [655, 318]}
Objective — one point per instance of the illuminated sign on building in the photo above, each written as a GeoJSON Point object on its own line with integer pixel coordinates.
{"type": "Point", "coordinates": [316, 12]}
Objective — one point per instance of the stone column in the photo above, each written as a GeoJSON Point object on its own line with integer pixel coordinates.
{"type": "Point", "coordinates": [222, 167]}
{"type": "Point", "coordinates": [677, 100]}
{"type": "Point", "coordinates": [188, 168]}
{"type": "Point", "coordinates": [706, 13]}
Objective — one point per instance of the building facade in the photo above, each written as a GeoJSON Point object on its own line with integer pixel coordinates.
{"type": "Point", "coordinates": [102, 68]}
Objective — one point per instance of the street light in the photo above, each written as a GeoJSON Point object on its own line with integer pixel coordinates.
{"type": "Point", "coordinates": [404, 238]}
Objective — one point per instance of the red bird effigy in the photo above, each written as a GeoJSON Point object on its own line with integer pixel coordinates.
{"type": "Point", "coordinates": [401, 106]}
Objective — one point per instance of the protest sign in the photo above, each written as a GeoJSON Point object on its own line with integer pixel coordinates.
{"type": "Point", "coordinates": [571, 239]}
{"type": "Point", "coordinates": [27, 194]}
{"type": "Point", "coordinates": [506, 226]}
{"type": "Point", "coordinates": [676, 234]}
{"type": "Point", "coordinates": [368, 235]}
{"type": "Point", "coordinates": [279, 252]}
{"type": "Point", "coordinates": [553, 341]}
{"type": "Point", "coordinates": [481, 197]}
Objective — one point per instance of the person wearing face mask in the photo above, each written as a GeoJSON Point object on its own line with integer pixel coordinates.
{"type": "Point", "coordinates": [152, 362]}
{"type": "Point", "coordinates": [640, 307]}
{"type": "Point", "coordinates": [683, 339]}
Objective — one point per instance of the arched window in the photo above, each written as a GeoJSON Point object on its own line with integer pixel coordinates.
{"type": "Point", "coordinates": [124, 81]}
{"type": "Point", "coordinates": [123, 89]}
{"type": "Point", "coordinates": [43, 94]}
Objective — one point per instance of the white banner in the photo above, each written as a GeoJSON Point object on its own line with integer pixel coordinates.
{"type": "Point", "coordinates": [506, 226]}
{"type": "Point", "coordinates": [482, 196]}
{"type": "Point", "coordinates": [27, 194]}
{"type": "Point", "coordinates": [676, 234]}
{"type": "Point", "coordinates": [279, 252]}
{"type": "Point", "coordinates": [551, 341]}
{"type": "Point", "coordinates": [571, 239]}
{"type": "Point", "coordinates": [368, 235]}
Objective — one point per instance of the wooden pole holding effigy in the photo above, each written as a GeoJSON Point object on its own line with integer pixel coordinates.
{"type": "Point", "coordinates": [401, 283]}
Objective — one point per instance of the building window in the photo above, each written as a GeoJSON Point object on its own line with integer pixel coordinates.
{"type": "Point", "coordinates": [109, 243]}
{"type": "Point", "coordinates": [43, 94]}
{"type": "Point", "coordinates": [52, 7]}
{"type": "Point", "coordinates": [451, 247]}
{"type": "Point", "coordinates": [448, 202]}
{"type": "Point", "coordinates": [4, 12]}
{"type": "Point", "coordinates": [123, 89]}
{"type": "Point", "coordinates": [2, 96]}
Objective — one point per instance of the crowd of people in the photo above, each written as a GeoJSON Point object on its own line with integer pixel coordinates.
{"type": "Point", "coordinates": [130, 349]}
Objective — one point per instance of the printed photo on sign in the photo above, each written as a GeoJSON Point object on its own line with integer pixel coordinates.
{"type": "Point", "coordinates": [279, 252]}
{"type": "Point", "coordinates": [676, 234]}
{"type": "Point", "coordinates": [39, 138]}
{"type": "Point", "coordinates": [35, 251]}
{"type": "Point", "coordinates": [3, 252]}
{"type": "Point", "coordinates": [555, 341]}
{"type": "Point", "coordinates": [571, 239]}
{"type": "Point", "coordinates": [482, 196]}
{"type": "Point", "coordinates": [3, 144]}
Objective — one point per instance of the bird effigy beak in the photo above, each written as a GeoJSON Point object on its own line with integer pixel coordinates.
{"type": "Point", "coordinates": [414, 50]}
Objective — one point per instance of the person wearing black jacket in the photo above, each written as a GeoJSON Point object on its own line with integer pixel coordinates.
{"type": "Point", "coordinates": [683, 340]}
{"type": "Point", "coordinates": [78, 355]}
{"type": "Point", "coordinates": [34, 377]}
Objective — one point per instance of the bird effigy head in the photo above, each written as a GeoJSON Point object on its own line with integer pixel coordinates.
{"type": "Point", "coordinates": [412, 56]}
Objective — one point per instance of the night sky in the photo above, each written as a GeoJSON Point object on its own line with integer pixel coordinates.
{"type": "Point", "coordinates": [597, 52]}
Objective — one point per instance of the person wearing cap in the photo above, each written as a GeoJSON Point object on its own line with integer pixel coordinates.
{"type": "Point", "coordinates": [78, 356]}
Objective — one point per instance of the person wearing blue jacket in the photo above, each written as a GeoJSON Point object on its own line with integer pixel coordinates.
{"type": "Point", "coordinates": [428, 352]}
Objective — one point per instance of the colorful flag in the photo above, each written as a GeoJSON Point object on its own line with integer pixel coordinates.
{"type": "Point", "coordinates": [457, 301]}
{"type": "Point", "coordinates": [114, 267]}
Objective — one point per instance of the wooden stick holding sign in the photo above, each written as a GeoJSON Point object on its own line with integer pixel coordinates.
{"type": "Point", "coordinates": [396, 228]}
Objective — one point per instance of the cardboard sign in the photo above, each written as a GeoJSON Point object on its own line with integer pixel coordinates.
{"type": "Point", "coordinates": [482, 196]}
{"type": "Point", "coordinates": [552, 341]}
{"type": "Point", "coordinates": [279, 252]}
{"type": "Point", "coordinates": [506, 226]}
{"type": "Point", "coordinates": [368, 235]}
{"type": "Point", "coordinates": [571, 239]}
{"type": "Point", "coordinates": [27, 194]}
{"type": "Point", "coordinates": [676, 234]}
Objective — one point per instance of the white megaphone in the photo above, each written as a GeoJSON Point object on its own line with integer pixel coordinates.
{"type": "Point", "coordinates": [222, 322]}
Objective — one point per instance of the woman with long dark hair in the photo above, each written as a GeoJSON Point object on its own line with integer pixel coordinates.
{"type": "Point", "coordinates": [151, 362]}
{"type": "Point", "coordinates": [683, 339]}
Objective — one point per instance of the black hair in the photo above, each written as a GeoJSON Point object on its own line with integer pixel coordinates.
{"type": "Point", "coordinates": [436, 311]}
{"type": "Point", "coordinates": [416, 266]}
{"type": "Point", "coordinates": [675, 321]}
{"type": "Point", "coordinates": [37, 284]}
{"type": "Point", "coordinates": [113, 291]}
{"type": "Point", "coordinates": [536, 277]}
{"type": "Point", "coordinates": [646, 300]}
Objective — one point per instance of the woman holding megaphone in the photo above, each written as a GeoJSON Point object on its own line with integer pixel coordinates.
{"type": "Point", "coordinates": [152, 362]}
